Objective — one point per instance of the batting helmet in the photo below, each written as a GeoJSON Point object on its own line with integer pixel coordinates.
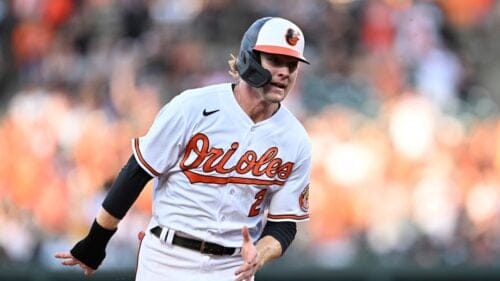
{"type": "Point", "coordinates": [270, 35]}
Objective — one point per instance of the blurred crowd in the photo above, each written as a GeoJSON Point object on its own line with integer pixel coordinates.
{"type": "Point", "coordinates": [400, 102]}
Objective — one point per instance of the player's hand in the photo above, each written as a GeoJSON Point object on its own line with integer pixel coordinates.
{"type": "Point", "coordinates": [69, 260]}
{"type": "Point", "coordinates": [250, 256]}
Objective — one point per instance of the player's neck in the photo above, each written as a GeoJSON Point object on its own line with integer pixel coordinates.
{"type": "Point", "coordinates": [251, 102]}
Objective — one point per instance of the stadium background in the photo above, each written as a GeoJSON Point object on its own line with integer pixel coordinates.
{"type": "Point", "coordinates": [400, 100]}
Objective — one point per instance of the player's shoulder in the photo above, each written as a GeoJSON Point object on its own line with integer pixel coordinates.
{"type": "Point", "coordinates": [294, 128]}
{"type": "Point", "coordinates": [294, 125]}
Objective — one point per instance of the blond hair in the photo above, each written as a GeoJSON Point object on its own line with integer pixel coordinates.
{"type": "Point", "coordinates": [233, 71]}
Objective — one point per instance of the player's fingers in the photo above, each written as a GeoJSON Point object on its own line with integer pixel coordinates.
{"type": "Point", "coordinates": [244, 276]}
{"type": "Point", "coordinates": [70, 262]}
{"type": "Point", "coordinates": [88, 271]}
{"type": "Point", "coordinates": [61, 255]}
{"type": "Point", "coordinates": [242, 269]}
{"type": "Point", "coordinates": [246, 234]}
{"type": "Point", "coordinates": [240, 277]}
{"type": "Point", "coordinates": [68, 258]}
{"type": "Point", "coordinates": [246, 266]}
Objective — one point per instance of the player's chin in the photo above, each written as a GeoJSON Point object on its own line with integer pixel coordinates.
{"type": "Point", "coordinates": [275, 94]}
{"type": "Point", "coordinates": [275, 98]}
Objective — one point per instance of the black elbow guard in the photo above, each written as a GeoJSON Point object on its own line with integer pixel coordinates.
{"type": "Point", "coordinates": [284, 232]}
{"type": "Point", "coordinates": [125, 189]}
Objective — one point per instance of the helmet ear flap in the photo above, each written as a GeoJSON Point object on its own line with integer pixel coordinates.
{"type": "Point", "coordinates": [251, 71]}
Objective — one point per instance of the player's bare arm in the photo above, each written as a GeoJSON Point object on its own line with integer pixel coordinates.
{"type": "Point", "coordinates": [268, 249]}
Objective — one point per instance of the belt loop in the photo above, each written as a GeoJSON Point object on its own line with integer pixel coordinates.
{"type": "Point", "coordinates": [163, 234]}
{"type": "Point", "coordinates": [237, 251]}
{"type": "Point", "coordinates": [170, 236]}
{"type": "Point", "coordinates": [202, 247]}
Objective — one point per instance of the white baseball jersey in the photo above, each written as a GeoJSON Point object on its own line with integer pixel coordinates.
{"type": "Point", "coordinates": [216, 170]}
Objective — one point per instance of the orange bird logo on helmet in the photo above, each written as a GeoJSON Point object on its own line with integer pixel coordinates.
{"type": "Point", "coordinates": [292, 37]}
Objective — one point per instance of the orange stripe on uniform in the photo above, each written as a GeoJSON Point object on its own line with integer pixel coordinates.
{"type": "Point", "coordinates": [141, 159]}
{"type": "Point", "coordinates": [292, 217]}
{"type": "Point", "coordinates": [196, 178]}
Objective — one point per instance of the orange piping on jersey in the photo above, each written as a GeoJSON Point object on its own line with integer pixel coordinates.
{"type": "Point", "coordinates": [197, 178]}
{"type": "Point", "coordinates": [293, 217]}
{"type": "Point", "coordinates": [141, 159]}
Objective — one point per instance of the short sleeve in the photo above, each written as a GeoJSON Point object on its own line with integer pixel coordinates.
{"type": "Point", "coordinates": [291, 202]}
{"type": "Point", "coordinates": [158, 150]}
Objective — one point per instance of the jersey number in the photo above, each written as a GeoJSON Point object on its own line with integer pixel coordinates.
{"type": "Point", "coordinates": [259, 197]}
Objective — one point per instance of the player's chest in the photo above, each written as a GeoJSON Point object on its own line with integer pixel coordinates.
{"type": "Point", "coordinates": [227, 133]}
{"type": "Point", "coordinates": [246, 153]}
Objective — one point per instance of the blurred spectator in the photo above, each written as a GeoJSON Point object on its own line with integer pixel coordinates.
{"type": "Point", "coordinates": [7, 67]}
{"type": "Point", "coordinates": [435, 70]}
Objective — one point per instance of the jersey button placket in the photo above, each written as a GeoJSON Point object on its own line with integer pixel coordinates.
{"type": "Point", "coordinates": [243, 147]}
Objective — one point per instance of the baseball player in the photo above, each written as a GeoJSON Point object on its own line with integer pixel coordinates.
{"type": "Point", "coordinates": [231, 168]}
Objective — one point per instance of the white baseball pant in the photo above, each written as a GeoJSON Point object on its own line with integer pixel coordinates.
{"type": "Point", "coordinates": [159, 260]}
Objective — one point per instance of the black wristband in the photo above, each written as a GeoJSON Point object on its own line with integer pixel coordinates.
{"type": "Point", "coordinates": [91, 250]}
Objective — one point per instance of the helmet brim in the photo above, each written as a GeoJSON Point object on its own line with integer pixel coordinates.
{"type": "Point", "coordinates": [277, 50]}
